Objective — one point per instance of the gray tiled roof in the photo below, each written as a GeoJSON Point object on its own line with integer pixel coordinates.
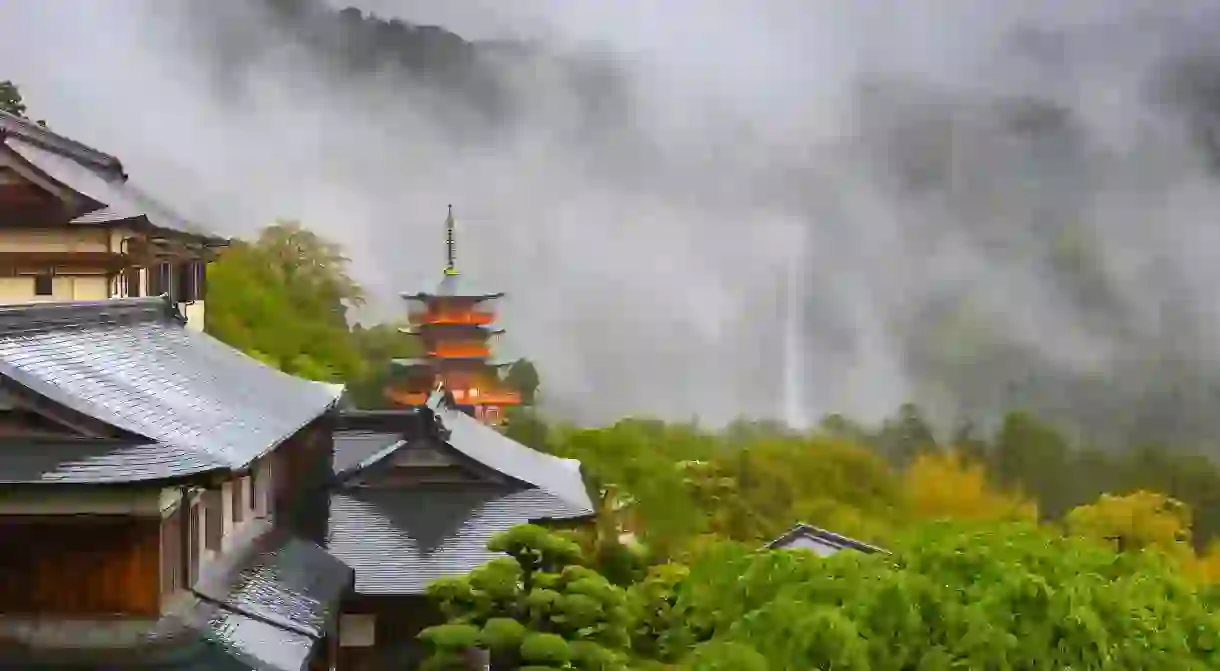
{"type": "Point", "coordinates": [456, 286]}
{"type": "Point", "coordinates": [493, 449]}
{"type": "Point", "coordinates": [286, 581]}
{"type": "Point", "coordinates": [823, 542]}
{"type": "Point", "coordinates": [13, 126]}
{"type": "Point", "coordinates": [91, 461]}
{"type": "Point", "coordinates": [203, 636]}
{"type": "Point", "coordinates": [225, 640]}
{"type": "Point", "coordinates": [132, 364]}
{"type": "Point", "coordinates": [121, 198]}
{"type": "Point", "coordinates": [354, 449]}
{"type": "Point", "coordinates": [212, 640]}
{"type": "Point", "coordinates": [399, 540]}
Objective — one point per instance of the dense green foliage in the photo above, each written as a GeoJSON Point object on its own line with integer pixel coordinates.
{"type": "Point", "coordinates": [10, 98]}
{"type": "Point", "coordinates": [998, 596]}
{"type": "Point", "coordinates": [536, 608]}
{"type": "Point", "coordinates": [285, 298]}
{"type": "Point", "coordinates": [670, 574]}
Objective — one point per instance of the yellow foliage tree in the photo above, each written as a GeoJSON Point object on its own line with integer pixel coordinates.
{"type": "Point", "coordinates": [947, 485]}
{"type": "Point", "coordinates": [1206, 567]}
{"type": "Point", "coordinates": [1136, 521]}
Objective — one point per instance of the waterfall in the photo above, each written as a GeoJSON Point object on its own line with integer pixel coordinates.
{"type": "Point", "coordinates": [795, 406]}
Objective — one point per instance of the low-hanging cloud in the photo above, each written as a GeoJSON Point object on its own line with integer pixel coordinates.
{"type": "Point", "coordinates": [990, 204]}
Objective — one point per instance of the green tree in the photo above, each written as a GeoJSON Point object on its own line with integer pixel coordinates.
{"type": "Point", "coordinates": [377, 346]}
{"type": "Point", "coordinates": [10, 98]}
{"type": "Point", "coordinates": [997, 596]}
{"type": "Point", "coordinates": [538, 607]}
{"type": "Point", "coordinates": [905, 435]}
{"type": "Point", "coordinates": [523, 376]}
{"type": "Point", "coordinates": [283, 300]}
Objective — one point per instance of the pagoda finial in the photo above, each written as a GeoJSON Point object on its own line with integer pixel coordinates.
{"type": "Point", "coordinates": [450, 246]}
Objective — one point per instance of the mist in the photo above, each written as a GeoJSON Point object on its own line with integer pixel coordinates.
{"type": "Point", "coordinates": [993, 207]}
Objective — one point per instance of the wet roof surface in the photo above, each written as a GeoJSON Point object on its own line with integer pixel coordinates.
{"type": "Point", "coordinates": [132, 364]}
{"type": "Point", "coordinates": [482, 443]}
{"type": "Point", "coordinates": [354, 449]}
{"type": "Point", "coordinates": [91, 461]}
{"type": "Point", "coordinates": [93, 173]}
{"type": "Point", "coordinates": [283, 580]}
{"type": "Point", "coordinates": [399, 540]}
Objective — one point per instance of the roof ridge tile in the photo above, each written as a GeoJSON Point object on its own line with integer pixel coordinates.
{"type": "Point", "coordinates": [11, 124]}
{"type": "Point", "coordinates": [39, 317]}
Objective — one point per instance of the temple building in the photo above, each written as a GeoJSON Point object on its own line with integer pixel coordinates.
{"type": "Point", "coordinates": [74, 226]}
{"type": "Point", "coordinates": [416, 495]}
{"type": "Point", "coordinates": [455, 323]}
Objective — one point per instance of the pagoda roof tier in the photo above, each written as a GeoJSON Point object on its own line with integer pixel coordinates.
{"type": "Point", "coordinates": [470, 328]}
{"type": "Point", "coordinates": [454, 286]}
{"type": "Point", "coordinates": [433, 360]}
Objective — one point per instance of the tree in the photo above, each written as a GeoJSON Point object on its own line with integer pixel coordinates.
{"type": "Point", "coordinates": [997, 596]}
{"type": "Point", "coordinates": [948, 486]}
{"type": "Point", "coordinates": [283, 300]}
{"type": "Point", "coordinates": [377, 346]}
{"type": "Point", "coordinates": [537, 608]}
{"type": "Point", "coordinates": [10, 98]}
{"type": "Point", "coordinates": [1136, 521]}
{"type": "Point", "coordinates": [906, 435]}
{"type": "Point", "coordinates": [523, 376]}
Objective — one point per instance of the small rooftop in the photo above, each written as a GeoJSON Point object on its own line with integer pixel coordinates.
{"type": "Point", "coordinates": [455, 286]}
{"type": "Point", "coordinates": [823, 542]}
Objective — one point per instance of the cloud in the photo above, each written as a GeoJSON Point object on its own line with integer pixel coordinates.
{"type": "Point", "coordinates": [992, 203]}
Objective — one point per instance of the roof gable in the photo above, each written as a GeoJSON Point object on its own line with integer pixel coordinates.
{"type": "Point", "coordinates": [823, 542]}
{"type": "Point", "coordinates": [455, 286]}
{"type": "Point", "coordinates": [485, 445]}
{"type": "Point", "coordinates": [95, 175]}
{"type": "Point", "coordinates": [13, 126]}
{"type": "Point", "coordinates": [131, 364]}
{"type": "Point", "coordinates": [399, 540]}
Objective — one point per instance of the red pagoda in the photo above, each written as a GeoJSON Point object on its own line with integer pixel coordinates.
{"type": "Point", "coordinates": [455, 324]}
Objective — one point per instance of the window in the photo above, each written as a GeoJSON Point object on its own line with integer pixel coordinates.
{"type": "Point", "coordinates": [214, 526]}
{"type": "Point", "coordinates": [131, 282]}
{"type": "Point", "coordinates": [357, 630]}
{"type": "Point", "coordinates": [44, 284]}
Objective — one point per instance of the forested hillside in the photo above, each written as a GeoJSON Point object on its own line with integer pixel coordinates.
{"type": "Point", "coordinates": [1052, 314]}
{"type": "Point", "coordinates": [1016, 548]}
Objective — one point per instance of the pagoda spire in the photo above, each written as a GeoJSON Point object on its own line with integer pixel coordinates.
{"type": "Point", "coordinates": [450, 246]}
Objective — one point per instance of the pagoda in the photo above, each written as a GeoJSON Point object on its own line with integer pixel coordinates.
{"type": "Point", "coordinates": [455, 323]}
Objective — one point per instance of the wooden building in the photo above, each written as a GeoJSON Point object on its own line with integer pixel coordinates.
{"type": "Point", "coordinates": [162, 497]}
{"type": "Point", "coordinates": [455, 322]}
{"type": "Point", "coordinates": [74, 226]}
{"type": "Point", "coordinates": [418, 493]}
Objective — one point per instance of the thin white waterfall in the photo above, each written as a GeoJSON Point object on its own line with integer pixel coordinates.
{"type": "Point", "coordinates": [796, 408]}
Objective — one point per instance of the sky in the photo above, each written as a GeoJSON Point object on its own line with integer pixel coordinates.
{"type": "Point", "coordinates": [738, 228]}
